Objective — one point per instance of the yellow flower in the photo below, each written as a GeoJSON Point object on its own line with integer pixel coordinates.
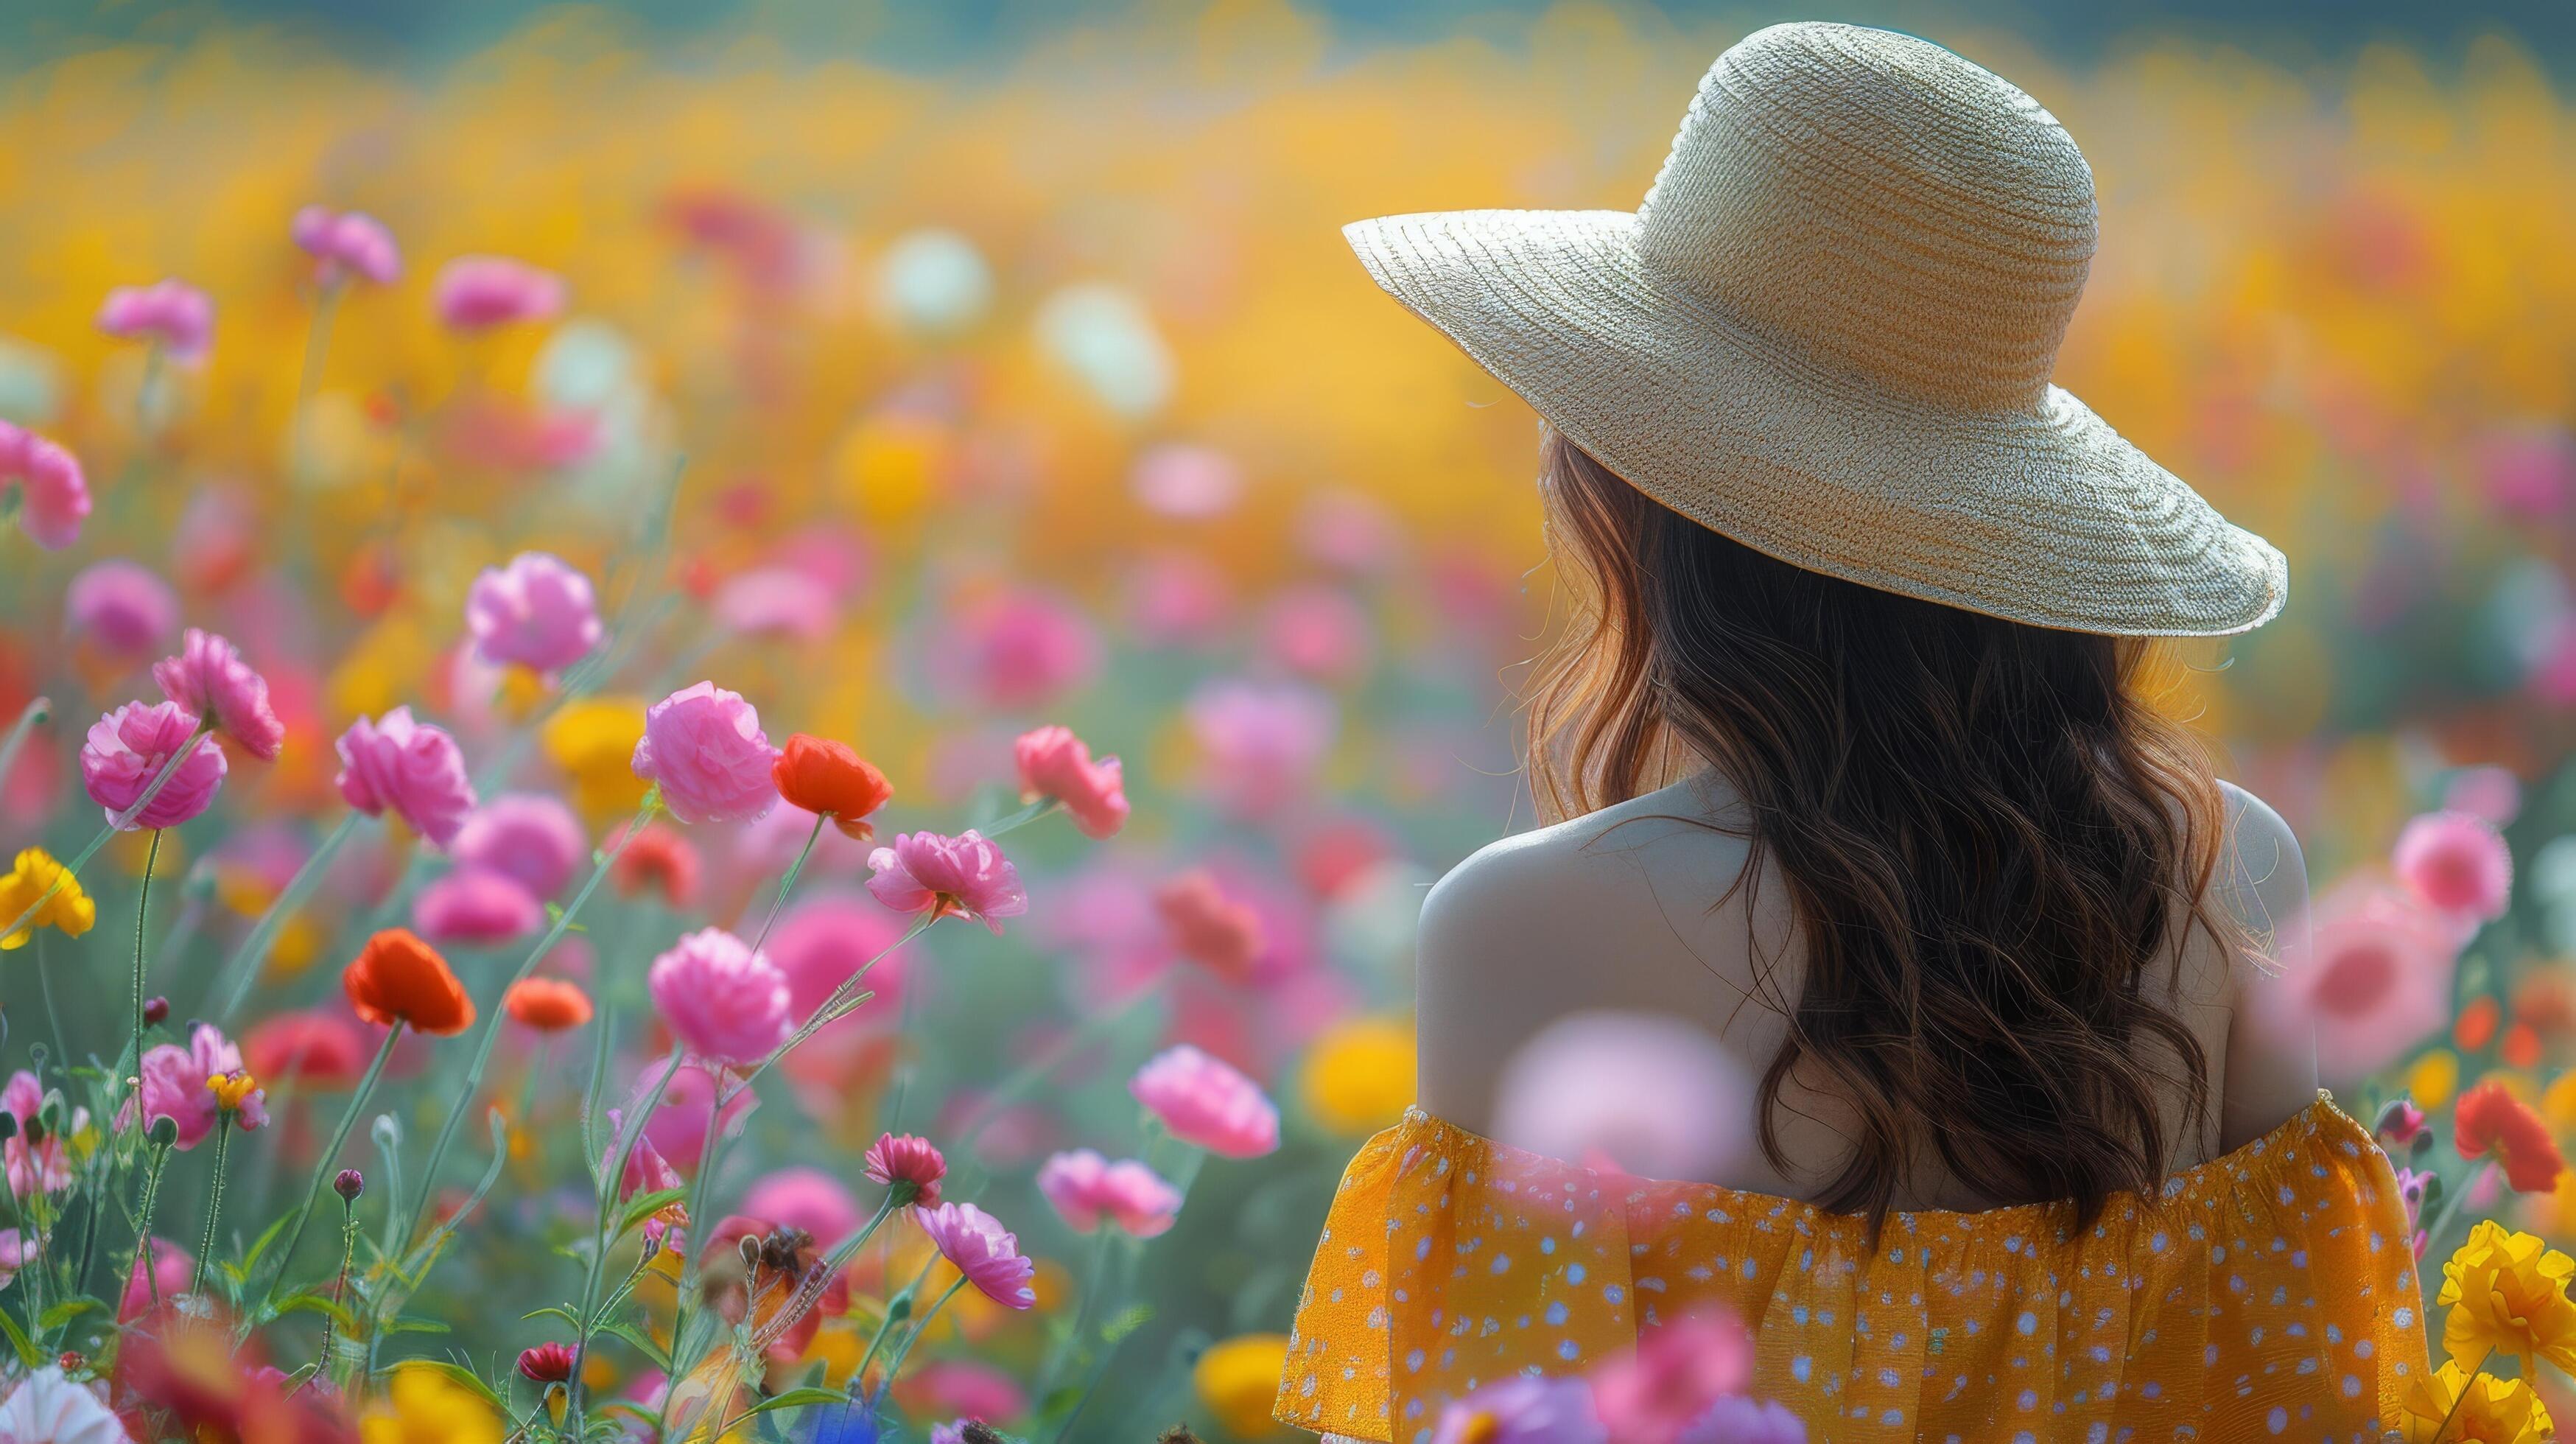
{"type": "Point", "coordinates": [69, 909]}
{"type": "Point", "coordinates": [2496, 1411]}
{"type": "Point", "coordinates": [2433, 1079]}
{"type": "Point", "coordinates": [2507, 1293]}
{"type": "Point", "coordinates": [593, 741]}
{"type": "Point", "coordinates": [2558, 1102]}
{"type": "Point", "coordinates": [231, 1088]}
{"type": "Point", "coordinates": [425, 1406]}
{"type": "Point", "coordinates": [1358, 1076]}
{"type": "Point", "coordinates": [1239, 1379]}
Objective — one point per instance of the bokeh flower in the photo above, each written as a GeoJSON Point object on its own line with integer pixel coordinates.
{"type": "Point", "coordinates": [1086, 1188]}
{"type": "Point", "coordinates": [162, 1271]}
{"type": "Point", "coordinates": [1679, 1369]}
{"type": "Point", "coordinates": [963, 876]}
{"type": "Point", "coordinates": [422, 1405]}
{"type": "Point", "coordinates": [823, 940]}
{"type": "Point", "coordinates": [531, 837]}
{"type": "Point", "coordinates": [2489, 1122]}
{"type": "Point", "coordinates": [36, 880]}
{"type": "Point", "coordinates": [1358, 1074]}
{"type": "Point", "coordinates": [806, 1198]}
{"type": "Point", "coordinates": [1237, 1379]}
{"type": "Point", "coordinates": [128, 747]}
{"type": "Point", "coordinates": [537, 611]}
{"type": "Point", "coordinates": [2457, 863]}
{"type": "Point", "coordinates": [47, 1407]}
{"type": "Point", "coordinates": [479, 906]}
{"type": "Point", "coordinates": [1260, 743]}
{"type": "Point", "coordinates": [397, 978]}
{"type": "Point", "coordinates": [704, 748]}
{"type": "Point", "coordinates": [678, 1126]}
{"type": "Point", "coordinates": [316, 1049]}
{"type": "Point", "coordinates": [477, 293]}
{"type": "Point", "coordinates": [52, 497]}
{"type": "Point", "coordinates": [830, 779]}
{"type": "Point", "coordinates": [786, 602]}
{"type": "Point", "coordinates": [346, 243]}
{"type": "Point", "coordinates": [977, 1246]}
{"type": "Point", "coordinates": [904, 1158]}
{"type": "Point", "coordinates": [1020, 649]}
{"type": "Point", "coordinates": [175, 1083]}
{"type": "Point", "coordinates": [1054, 763]}
{"type": "Point", "coordinates": [122, 607]}
{"type": "Point", "coordinates": [660, 859]}
{"type": "Point", "coordinates": [724, 1001]}
{"type": "Point", "coordinates": [44, 1166]}
{"type": "Point", "coordinates": [412, 769]}
{"type": "Point", "coordinates": [1523, 1411]}
{"type": "Point", "coordinates": [1206, 1102]}
{"type": "Point", "coordinates": [592, 740]}
{"type": "Point", "coordinates": [209, 678]}
{"type": "Point", "coordinates": [2507, 1293]}
{"type": "Point", "coordinates": [1643, 1093]}
{"type": "Point", "coordinates": [1217, 932]}
{"type": "Point", "coordinates": [1739, 1419]}
{"type": "Point", "coordinates": [173, 315]}
{"type": "Point", "coordinates": [548, 1005]}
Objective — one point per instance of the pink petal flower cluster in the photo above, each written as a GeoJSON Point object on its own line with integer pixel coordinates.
{"type": "Point", "coordinates": [1086, 1188]}
{"type": "Point", "coordinates": [45, 1166]}
{"type": "Point", "coordinates": [907, 1158]}
{"type": "Point", "coordinates": [2457, 863]}
{"type": "Point", "coordinates": [777, 602]}
{"type": "Point", "coordinates": [347, 244]}
{"type": "Point", "coordinates": [1055, 763]}
{"type": "Point", "coordinates": [1207, 1102]}
{"type": "Point", "coordinates": [976, 1245]}
{"type": "Point", "coordinates": [173, 314]}
{"type": "Point", "coordinates": [645, 1169]}
{"type": "Point", "coordinates": [531, 837]}
{"type": "Point", "coordinates": [123, 607]}
{"type": "Point", "coordinates": [209, 678]}
{"type": "Point", "coordinates": [53, 496]}
{"type": "Point", "coordinates": [1022, 649]}
{"type": "Point", "coordinates": [171, 1270]}
{"type": "Point", "coordinates": [1261, 743]}
{"type": "Point", "coordinates": [962, 876]}
{"type": "Point", "coordinates": [174, 1086]}
{"type": "Point", "coordinates": [476, 293]}
{"type": "Point", "coordinates": [537, 611]}
{"type": "Point", "coordinates": [2375, 980]}
{"type": "Point", "coordinates": [823, 941]}
{"type": "Point", "coordinates": [412, 768]}
{"type": "Point", "coordinates": [806, 1198]}
{"type": "Point", "coordinates": [704, 748]}
{"type": "Point", "coordinates": [727, 1003]}
{"type": "Point", "coordinates": [1679, 1369]}
{"type": "Point", "coordinates": [1739, 1419]}
{"type": "Point", "coordinates": [478, 906]}
{"type": "Point", "coordinates": [128, 747]}
{"type": "Point", "coordinates": [1526, 1410]}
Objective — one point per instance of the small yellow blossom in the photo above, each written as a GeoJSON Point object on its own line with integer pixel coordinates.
{"type": "Point", "coordinates": [593, 740]}
{"type": "Point", "coordinates": [2496, 1411]}
{"type": "Point", "coordinates": [2433, 1079]}
{"type": "Point", "coordinates": [231, 1088]}
{"type": "Point", "coordinates": [2507, 1293]}
{"type": "Point", "coordinates": [1358, 1076]}
{"type": "Point", "coordinates": [425, 1406]}
{"type": "Point", "coordinates": [1239, 1378]}
{"type": "Point", "coordinates": [68, 909]}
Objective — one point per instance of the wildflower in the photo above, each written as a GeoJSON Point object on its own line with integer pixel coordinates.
{"type": "Point", "coordinates": [397, 978]}
{"type": "Point", "coordinates": [315, 1049]}
{"type": "Point", "coordinates": [2431, 1079]}
{"type": "Point", "coordinates": [1639, 1093]}
{"type": "Point", "coordinates": [591, 739]}
{"type": "Point", "coordinates": [1055, 763]}
{"type": "Point", "coordinates": [209, 678]}
{"type": "Point", "coordinates": [1238, 1380]}
{"type": "Point", "coordinates": [1209, 928]}
{"type": "Point", "coordinates": [39, 1164]}
{"type": "Point", "coordinates": [898, 1159]}
{"type": "Point", "coordinates": [2489, 1121]}
{"type": "Point", "coordinates": [724, 1000]}
{"type": "Point", "coordinates": [161, 1269]}
{"type": "Point", "coordinates": [2458, 1407]}
{"type": "Point", "coordinates": [977, 1246]}
{"type": "Point", "coordinates": [1358, 1075]}
{"type": "Point", "coordinates": [530, 836]}
{"type": "Point", "coordinates": [425, 1406]}
{"type": "Point", "coordinates": [548, 1363]}
{"type": "Point", "coordinates": [660, 859]}
{"type": "Point", "coordinates": [645, 1169]}
{"type": "Point", "coordinates": [1022, 649]}
{"type": "Point", "coordinates": [1086, 1188]}
{"type": "Point", "coordinates": [156, 1011]}
{"type": "Point", "coordinates": [962, 876]}
{"type": "Point", "coordinates": [704, 747]}
{"type": "Point", "coordinates": [349, 1183]}
{"type": "Point", "coordinates": [477, 293]}
{"type": "Point", "coordinates": [53, 495]}
{"type": "Point", "coordinates": [1678, 1369]}
{"type": "Point", "coordinates": [476, 905]}
{"type": "Point", "coordinates": [35, 875]}
{"type": "Point", "coordinates": [679, 1126]}
{"type": "Point", "coordinates": [2400, 1121]}
{"type": "Point", "coordinates": [1523, 1411]}
{"type": "Point", "coordinates": [1737, 1419]}
{"type": "Point", "coordinates": [240, 1097]}
{"type": "Point", "coordinates": [178, 1084]}
{"type": "Point", "coordinates": [1261, 743]}
{"type": "Point", "coordinates": [2507, 1292]}
{"type": "Point", "coordinates": [412, 768]}
{"type": "Point", "coordinates": [49, 1408]}
{"type": "Point", "coordinates": [808, 1199]}
{"type": "Point", "coordinates": [830, 779]}
{"type": "Point", "coordinates": [538, 611]}
{"type": "Point", "coordinates": [1320, 630]}
{"type": "Point", "coordinates": [1208, 1103]}
{"type": "Point", "coordinates": [128, 747]}
{"type": "Point", "coordinates": [776, 601]}
{"type": "Point", "coordinates": [172, 314]}
{"type": "Point", "coordinates": [821, 943]}
{"type": "Point", "coordinates": [1191, 482]}
{"type": "Point", "coordinates": [549, 1005]}
{"type": "Point", "coordinates": [347, 244]}
{"type": "Point", "coordinates": [2457, 863]}
{"type": "Point", "coordinates": [123, 607]}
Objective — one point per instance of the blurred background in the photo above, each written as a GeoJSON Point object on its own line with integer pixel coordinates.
{"type": "Point", "coordinates": [1013, 371]}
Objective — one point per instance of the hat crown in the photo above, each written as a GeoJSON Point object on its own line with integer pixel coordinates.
{"type": "Point", "coordinates": [1882, 206]}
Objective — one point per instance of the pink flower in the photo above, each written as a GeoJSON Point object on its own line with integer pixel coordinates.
{"type": "Point", "coordinates": [413, 768]}
{"type": "Point", "coordinates": [128, 747]}
{"type": "Point", "coordinates": [16, 1249]}
{"type": "Point", "coordinates": [1737, 1419]}
{"type": "Point", "coordinates": [1190, 482]}
{"type": "Point", "coordinates": [777, 601]}
{"type": "Point", "coordinates": [209, 678]}
{"type": "Point", "coordinates": [2457, 863]}
{"type": "Point", "coordinates": [2376, 978]}
{"type": "Point", "coordinates": [530, 836]}
{"type": "Point", "coordinates": [2493, 793]}
{"type": "Point", "coordinates": [1207, 927]}
{"type": "Point", "coordinates": [1085, 1188]}
{"type": "Point", "coordinates": [47, 1165]}
{"type": "Point", "coordinates": [1637, 1093]}
{"type": "Point", "coordinates": [1320, 631]}
{"type": "Point", "coordinates": [477, 905]}
{"type": "Point", "coordinates": [174, 1086]}
{"type": "Point", "coordinates": [907, 1158]}
{"type": "Point", "coordinates": [968, 1388]}
{"type": "Point", "coordinates": [823, 941]}
{"type": "Point", "coordinates": [1675, 1374]}
{"type": "Point", "coordinates": [977, 1245]}
{"type": "Point", "coordinates": [347, 244]}
{"type": "Point", "coordinates": [806, 1198]}
{"type": "Point", "coordinates": [1206, 1102]}
{"type": "Point", "coordinates": [123, 607]}
{"type": "Point", "coordinates": [53, 496]}
{"type": "Point", "coordinates": [172, 1269]}
{"type": "Point", "coordinates": [1260, 744]}
{"type": "Point", "coordinates": [2400, 1121]}
{"type": "Point", "coordinates": [704, 747]}
{"type": "Point", "coordinates": [678, 1126]}
{"type": "Point", "coordinates": [475, 293]}
{"type": "Point", "coordinates": [538, 611]}
{"type": "Point", "coordinates": [645, 1169]}
{"type": "Point", "coordinates": [963, 876]}
{"type": "Point", "coordinates": [1022, 649]}
{"type": "Point", "coordinates": [726, 1002]}
{"type": "Point", "coordinates": [1175, 600]}
{"type": "Point", "coordinates": [1526, 1410]}
{"type": "Point", "coordinates": [172, 314]}
{"type": "Point", "coordinates": [1055, 763]}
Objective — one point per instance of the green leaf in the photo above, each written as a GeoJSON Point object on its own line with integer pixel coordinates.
{"type": "Point", "coordinates": [18, 1340]}
{"type": "Point", "coordinates": [465, 1376]}
{"type": "Point", "coordinates": [798, 1399]}
{"type": "Point", "coordinates": [309, 1302]}
{"type": "Point", "coordinates": [64, 1312]}
{"type": "Point", "coordinates": [563, 1314]}
{"type": "Point", "coordinates": [250, 1260]}
{"type": "Point", "coordinates": [645, 1205]}
{"type": "Point", "coordinates": [408, 1325]}
{"type": "Point", "coordinates": [642, 1341]}
{"type": "Point", "coordinates": [1127, 1321]}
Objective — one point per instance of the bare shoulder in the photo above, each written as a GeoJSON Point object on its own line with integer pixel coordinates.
{"type": "Point", "coordinates": [2262, 877]}
{"type": "Point", "coordinates": [2271, 1058]}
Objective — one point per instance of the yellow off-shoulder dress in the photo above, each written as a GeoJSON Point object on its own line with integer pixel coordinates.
{"type": "Point", "coordinates": [2269, 1293]}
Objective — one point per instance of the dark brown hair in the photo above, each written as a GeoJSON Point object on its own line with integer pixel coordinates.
{"type": "Point", "coordinates": [1988, 838]}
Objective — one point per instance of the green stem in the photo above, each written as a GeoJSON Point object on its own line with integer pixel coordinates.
{"type": "Point", "coordinates": [214, 1201]}
{"type": "Point", "coordinates": [143, 1230]}
{"type": "Point", "coordinates": [37, 711]}
{"type": "Point", "coordinates": [604, 1195]}
{"type": "Point", "coordinates": [232, 984]}
{"type": "Point", "coordinates": [317, 345]}
{"type": "Point", "coordinates": [117, 822]}
{"type": "Point", "coordinates": [788, 883]}
{"type": "Point", "coordinates": [142, 911]}
{"type": "Point", "coordinates": [325, 1166]}
{"type": "Point", "coordinates": [340, 1288]}
{"type": "Point", "coordinates": [894, 1365]}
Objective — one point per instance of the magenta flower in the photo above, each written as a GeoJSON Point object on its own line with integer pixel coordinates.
{"type": "Point", "coordinates": [476, 293]}
{"type": "Point", "coordinates": [2457, 863]}
{"type": "Point", "coordinates": [725, 1001]}
{"type": "Point", "coordinates": [174, 1086]}
{"type": "Point", "coordinates": [806, 1198]}
{"type": "Point", "coordinates": [172, 1270]}
{"type": "Point", "coordinates": [1737, 1419]}
{"type": "Point", "coordinates": [1206, 1102]}
{"type": "Point", "coordinates": [123, 607]}
{"type": "Point", "coordinates": [1055, 763]}
{"type": "Point", "coordinates": [347, 244]}
{"type": "Point", "coordinates": [703, 746]}
{"type": "Point", "coordinates": [1679, 1369]}
{"type": "Point", "coordinates": [476, 905]}
{"type": "Point", "coordinates": [529, 836]}
{"type": "Point", "coordinates": [47, 1166]}
{"type": "Point", "coordinates": [1020, 649]}
{"type": "Point", "coordinates": [963, 876]}
{"type": "Point", "coordinates": [52, 495]}
{"type": "Point", "coordinates": [976, 1245]}
{"type": "Point", "coordinates": [645, 1170]}
{"type": "Point", "coordinates": [678, 1127]}
{"type": "Point", "coordinates": [904, 1158]}
{"type": "Point", "coordinates": [209, 678]}
{"type": "Point", "coordinates": [128, 747]}
{"type": "Point", "coordinates": [1086, 1188]}
{"type": "Point", "coordinates": [412, 768]}
{"type": "Point", "coordinates": [777, 602]}
{"type": "Point", "coordinates": [1526, 1410]}
{"type": "Point", "coordinates": [2374, 981]}
{"type": "Point", "coordinates": [172, 314]}
{"type": "Point", "coordinates": [538, 611]}
{"type": "Point", "coordinates": [823, 941]}
{"type": "Point", "coordinates": [1260, 744]}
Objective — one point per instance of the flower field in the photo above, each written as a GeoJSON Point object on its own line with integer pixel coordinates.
{"type": "Point", "coordinates": [719, 742]}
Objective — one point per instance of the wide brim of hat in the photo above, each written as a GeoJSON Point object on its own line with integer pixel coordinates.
{"type": "Point", "coordinates": [2045, 516]}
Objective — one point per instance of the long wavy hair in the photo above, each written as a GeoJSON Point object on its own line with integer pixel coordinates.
{"type": "Point", "coordinates": [1989, 839]}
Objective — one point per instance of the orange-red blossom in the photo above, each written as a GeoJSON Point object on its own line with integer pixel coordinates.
{"type": "Point", "coordinates": [397, 978]}
{"type": "Point", "coordinates": [830, 779]}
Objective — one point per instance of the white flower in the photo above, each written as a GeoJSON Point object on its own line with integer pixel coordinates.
{"type": "Point", "coordinates": [50, 1409]}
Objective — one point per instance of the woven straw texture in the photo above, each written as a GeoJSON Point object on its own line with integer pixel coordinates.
{"type": "Point", "coordinates": [1828, 333]}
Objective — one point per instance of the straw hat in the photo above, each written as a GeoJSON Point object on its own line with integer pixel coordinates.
{"type": "Point", "coordinates": [1828, 333]}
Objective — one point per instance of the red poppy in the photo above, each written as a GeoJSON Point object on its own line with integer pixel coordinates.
{"type": "Point", "coordinates": [830, 779]}
{"type": "Point", "coordinates": [2491, 1122]}
{"type": "Point", "coordinates": [549, 1005]}
{"type": "Point", "coordinates": [400, 979]}
{"type": "Point", "coordinates": [2477, 1025]}
{"type": "Point", "coordinates": [318, 1050]}
{"type": "Point", "coordinates": [658, 860]}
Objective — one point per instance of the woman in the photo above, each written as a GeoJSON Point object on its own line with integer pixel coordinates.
{"type": "Point", "coordinates": [1859, 782]}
